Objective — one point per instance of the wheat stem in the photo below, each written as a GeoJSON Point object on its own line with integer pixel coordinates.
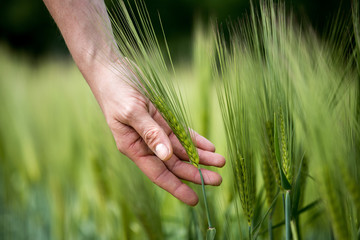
{"type": "Point", "coordinates": [205, 199]}
{"type": "Point", "coordinates": [250, 234]}
{"type": "Point", "coordinates": [211, 231]}
{"type": "Point", "coordinates": [287, 215]}
{"type": "Point", "coordinates": [294, 230]}
{"type": "Point", "coordinates": [270, 227]}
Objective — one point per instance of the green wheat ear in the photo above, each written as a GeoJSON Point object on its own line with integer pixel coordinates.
{"type": "Point", "coordinates": [146, 68]}
{"type": "Point", "coordinates": [178, 130]}
{"type": "Point", "coordinates": [286, 163]}
{"type": "Point", "coordinates": [269, 181]}
{"type": "Point", "coordinates": [270, 156]}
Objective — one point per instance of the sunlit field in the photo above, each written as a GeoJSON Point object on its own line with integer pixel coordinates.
{"type": "Point", "coordinates": [280, 102]}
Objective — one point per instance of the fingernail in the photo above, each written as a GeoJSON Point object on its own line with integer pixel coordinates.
{"type": "Point", "coordinates": [161, 151]}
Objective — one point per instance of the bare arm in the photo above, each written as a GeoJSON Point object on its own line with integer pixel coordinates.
{"type": "Point", "coordinates": [138, 128]}
{"type": "Point", "coordinates": [83, 24]}
{"type": "Point", "coordinates": [82, 29]}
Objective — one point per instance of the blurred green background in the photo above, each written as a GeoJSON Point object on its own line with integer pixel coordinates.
{"type": "Point", "coordinates": [61, 176]}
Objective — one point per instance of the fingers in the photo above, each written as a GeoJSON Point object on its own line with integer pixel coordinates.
{"type": "Point", "coordinates": [131, 144]}
{"type": "Point", "coordinates": [166, 176]}
{"type": "Point", "coordinates": [210, 158]}
{"type": "Point", "coordinates": [200, 141]}
{"type": "Point", "coordinates": [190, 173]}
{"type": "Point", "coordinates": [158, 173]}
{"type": "Point", "coordinates": [153, 135]}
{"type": "Point", "coordinates": [205, 148]}
{"type": "Point", "coordinates": [206, 157]}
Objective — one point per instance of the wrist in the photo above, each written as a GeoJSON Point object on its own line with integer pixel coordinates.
{"type": "Point", "coordinates": [90, 58]}
{"type": "Point", "coordinates": [105, 82]}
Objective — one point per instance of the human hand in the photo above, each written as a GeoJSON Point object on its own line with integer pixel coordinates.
{"type": "Point", "coordinates": [138, 128]}
{"type": "Point", "coordinates": [141, 133]}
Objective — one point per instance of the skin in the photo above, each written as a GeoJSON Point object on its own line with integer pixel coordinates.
{"type": "Point", "coordinates": [139, 130]}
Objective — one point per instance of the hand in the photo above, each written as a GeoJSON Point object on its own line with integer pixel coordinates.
{"type": "Point", "coordinates": [141, 133]}
{"type": "Point", "coordinates": [138, 128]}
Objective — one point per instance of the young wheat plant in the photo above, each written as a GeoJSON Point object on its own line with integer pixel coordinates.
{"type": "Point", "coordinates": [236, 95]}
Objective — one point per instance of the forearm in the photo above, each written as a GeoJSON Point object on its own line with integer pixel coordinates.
{"type": "Point", "coordinates": [85, 27]}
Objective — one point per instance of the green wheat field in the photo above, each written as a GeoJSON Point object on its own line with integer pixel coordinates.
{"type": "Point", "coordinates": [278, 100]}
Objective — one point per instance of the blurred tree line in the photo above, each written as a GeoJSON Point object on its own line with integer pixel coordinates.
{"type": "Point", "coordinates": [26, 25]}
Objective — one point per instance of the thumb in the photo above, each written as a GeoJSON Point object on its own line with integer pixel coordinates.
{"type": "Point", "coordinates": [153, 135]}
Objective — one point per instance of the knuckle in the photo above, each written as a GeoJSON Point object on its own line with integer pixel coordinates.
{"type": "Point", "coordinates": [120, 147]}
{"type": "Point", "coordinates": [151, 135]}
{"type": "Point", "coordinates": [112, 122]}
{"type": "Point", "coordinates": [174, 167]}
{"type": "Point", "coordinates": [196, 176]}
{"type": "Point", "coordinates": [128, 111]}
